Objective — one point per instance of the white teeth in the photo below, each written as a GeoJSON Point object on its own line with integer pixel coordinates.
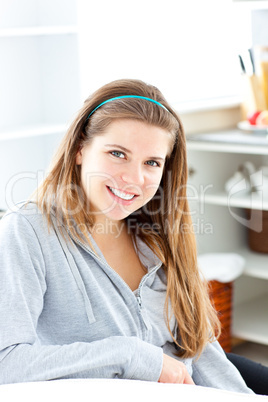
{"type": "Point", "coordinates": [122, 195]}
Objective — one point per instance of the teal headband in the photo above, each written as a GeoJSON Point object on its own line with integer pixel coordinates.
{"type": "Point", "coordinates": [125, 97]}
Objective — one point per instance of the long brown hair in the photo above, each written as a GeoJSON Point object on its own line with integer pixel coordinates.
{"type": "Point", "coordinates": [164, 223]}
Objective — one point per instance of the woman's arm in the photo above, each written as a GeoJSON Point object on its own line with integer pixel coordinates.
{"type": "Point", "coordinates": [114, 357]}
{"type": "Point", "coordinates": [213, 369]}
{"type": "Point", "coordinates": [23, 356]}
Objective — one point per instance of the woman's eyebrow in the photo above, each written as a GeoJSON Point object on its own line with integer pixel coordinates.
{"type": "Point", "coordinates": [118, 146]}
{"type": "Point", "coordinates": [128, 150]}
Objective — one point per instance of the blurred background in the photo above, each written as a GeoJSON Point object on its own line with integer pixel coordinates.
{"type": "Point", "coordinates": [54, 53]}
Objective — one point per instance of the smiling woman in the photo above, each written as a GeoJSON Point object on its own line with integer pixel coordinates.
{"type": "Point", "coordinates": [99, 275]}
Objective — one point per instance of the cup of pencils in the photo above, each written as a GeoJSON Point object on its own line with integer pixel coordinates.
{"type": "Point", "coordinates": [262, 69]}
{"type": "Point", "coordinates": [254, 69]}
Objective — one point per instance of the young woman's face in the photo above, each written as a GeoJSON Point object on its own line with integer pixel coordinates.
{"type": "Point", "coordinates": [121, 169]}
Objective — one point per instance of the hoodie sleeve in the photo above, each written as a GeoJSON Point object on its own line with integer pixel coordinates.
{"type": "Point", "coordinates": [214, 370]}
{"type": "Point", "coordinates": [23, 357]}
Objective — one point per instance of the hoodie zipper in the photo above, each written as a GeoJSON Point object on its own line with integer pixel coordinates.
{"type": "Point", "coordinates": [143, 280]}
{"type": "Point", "coordinates": [139, 301]}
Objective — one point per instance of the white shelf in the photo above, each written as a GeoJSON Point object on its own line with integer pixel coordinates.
{"type": "Point", "coordinates": [212, 163]}
{"type": "Point", "coordinates": [253, 4]}
{"type": "Point", "coordinates": [250, 320]}
{"type": "Point", "coordinates": [231, 141]}
{"type": "Point", "coordinates": [32, 131]}
{"type": "Point", "coordinates": [248, 201]}
{"type": "Point", "coordinates": [38, 31]}
{"type": "Point", "coordinates": [256, 265]}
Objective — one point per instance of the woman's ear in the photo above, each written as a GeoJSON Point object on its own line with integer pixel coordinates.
{"type": "Point", "coordinates": [78, 158]}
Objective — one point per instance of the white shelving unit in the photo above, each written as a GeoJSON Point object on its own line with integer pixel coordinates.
{"type": "Point", "coordinates": [256, 264]}
{"type": "Point", "coordinates": [39, 88]}
{"type": "Point", "coordinates": [31, 131]}
{"type": "Point", "coordinates": [254, 200]}
{"type": "Point", "coordinates": [250, 320]}
{"type": "Point", "coordinates": [35, 31]}
{"type": "Point", "coordinates": [221, 224]}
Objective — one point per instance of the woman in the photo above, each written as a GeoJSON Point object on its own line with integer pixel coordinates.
{"type": "Point", "coordinates": [99, 273]}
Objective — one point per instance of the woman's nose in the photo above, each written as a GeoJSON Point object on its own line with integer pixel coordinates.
{"type": "Point", "coordinates": [133, 175]}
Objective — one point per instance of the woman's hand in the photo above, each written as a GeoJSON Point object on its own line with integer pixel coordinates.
{"type": "Point", "coordinates": [174, 372]}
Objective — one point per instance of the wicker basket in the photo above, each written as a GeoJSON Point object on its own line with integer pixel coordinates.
{"type": "Point", "coordinates": [258, 241]}
{"type": "Point", "coordinates": [221, 295]}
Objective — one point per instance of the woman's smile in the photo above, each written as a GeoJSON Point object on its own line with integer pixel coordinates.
{"type": "Point", "coordinates": [122, 196]}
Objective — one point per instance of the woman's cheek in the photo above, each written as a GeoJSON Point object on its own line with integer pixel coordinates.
{"type": "Point", "coordinates": [108, 168]}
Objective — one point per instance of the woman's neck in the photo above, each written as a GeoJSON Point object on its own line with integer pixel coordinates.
{"type": "Point", "coordinates": [106, 228]}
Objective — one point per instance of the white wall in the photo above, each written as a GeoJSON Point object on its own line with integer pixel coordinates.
{"type": "Point", "coordinates": [186, 48]}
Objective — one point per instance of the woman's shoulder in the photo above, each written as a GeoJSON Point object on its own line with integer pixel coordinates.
{"type": "Point", "coordinates": [23, 239]}
{"type": "Point", "coordinates": [28, 209]}
{"type": "Point", "coordinates": [23, 215]}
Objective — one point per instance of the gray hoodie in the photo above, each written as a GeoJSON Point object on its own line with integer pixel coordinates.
{"type": "Point", "coordinates": [65, 313]}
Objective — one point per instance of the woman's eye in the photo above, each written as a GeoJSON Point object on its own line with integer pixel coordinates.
{"type": "Point", "coordinates": [118, 154]}
{"type": "Point", "coordinates": [153, 163]}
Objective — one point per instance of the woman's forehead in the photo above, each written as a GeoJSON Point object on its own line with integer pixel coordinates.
{"type": "Point", "coordinates": [134, 135]}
